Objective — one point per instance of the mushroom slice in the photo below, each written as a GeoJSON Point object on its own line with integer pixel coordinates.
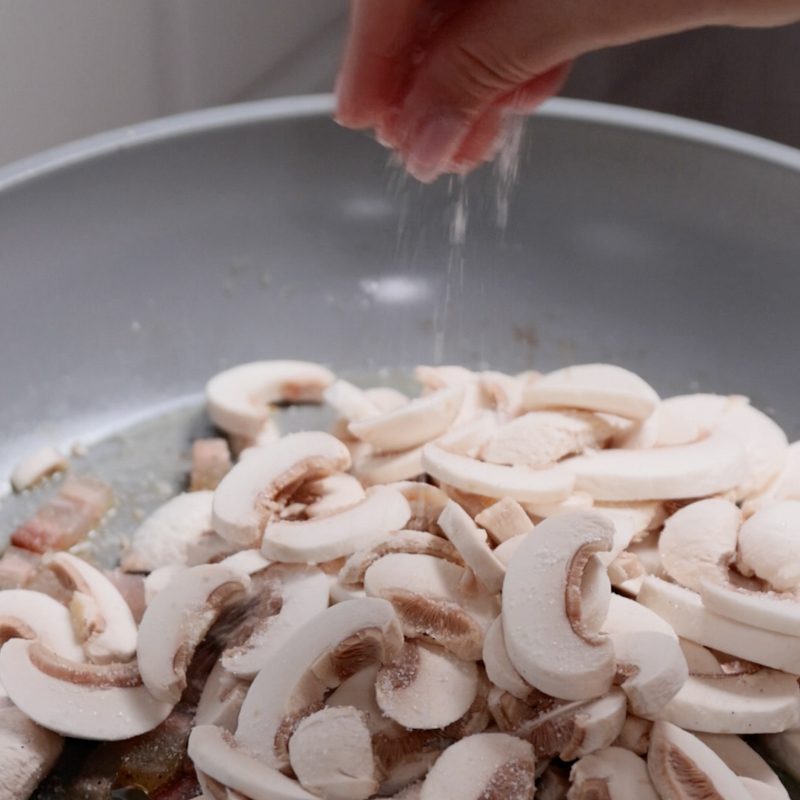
{"type": "Point", "coordinates": [540, 438]}
{"type": "Point", "coordinates": [471, 542]}
{"type": "Point", "coordinates": [504, 392]}
{"type": "Point", "coordinates": [176, 621]}
{"type": "Point", "coordinates": [742, 759]}
{"type": "Point", "coordinates": [593, 387]}
{"type": "Point", "coordinates": [402, 541]}
{"type": "Point", "coordinates": [319, 655]}
{"type": "Point", "coordinates": [408, 689]}
{"type": "Point", "coordinates": [221, 700]}
{"type": "Point", "coordinates": [425, 592]}
{"type": "Point", "coordinates": [681, 766]}
{"type": "Point", "coordinates": [338, 534]}
{"type": "Point", "coordinates": [377, 468]}
{"type": "Point", "coordinates": [350, 401]}
{"type": "Point", "coordinates": [635, 734]}
{"type": "Point", "coordinates": [494, 480]}
{"type": "Point", "coordinates": [684, 611]}
{"type": "Point", "coordinates": [215, 752]}
{"type": "Point", "coordinates": [36, 467]}
{"type": "Point", "coordinates": [654, 669]}
{"type": "Point", "coordinates": [691, 417]}
{"type": "Point", "coordinates": [101, 615]}
{"type": "Point", "coordinates": [344, 771]}
{"type": "Point", "coordinates": [158, 579]}
{"type": "Point", "coordinates": [411, 425]}
{"type": "Point", "coordinates": [487, 765]}
{"type": "Point", "coordinates": [331, 494]}
{"type": "Point", "coordinates": [611, 774]}
{"type": "Point", "coordinates": [784, 486]}
{"type": "Point", "coordinates": [211, 462]}
{"type": "Point", "coordinates": [504, 519]}
{"type": "Point", "coordinates": [784, 750]}
{"type": "Point", "coordinates": [768, 545]}
{"type": "Point", "coordinates": [303, 591]}
{"type": "Point", "coordinates": [426, 501]}
{"type": "Point", "coordinates": [597, 725]}
{"type": "Point", "coordinates": [164, 537]}
{"type": "Point", "coordinates": [239, 398]}
{"type": "Point", "coordinates": [27, 753]}
{"type": "Point", "coordinates": [250, 562]}
{"type": "Point", "coordinates": [703, 468]}
{"type": "Point", "coordinates": [699, 542]}
{"type": "Point", "coordinates": [27, 614]}
{"type": "Point", "coordinates": [501, 671]}
{"type": "Point", "coordinates": [766, 701]}
{"type": "Point", "coordinates": [358, 691]}
{"type": "Point", "coordinates": [627, 616]}
{"type": "Point", "coordinates": [577, 501]}
{"type": "Point", "coordinates": [546, 633]}
{"type": "Point", "coordinates": [245, 498]}
{"type": "Point", "coordinates": [82, 700]}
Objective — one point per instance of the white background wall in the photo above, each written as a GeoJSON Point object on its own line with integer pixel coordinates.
{"type": "Point", "coordinates": [70, 68]}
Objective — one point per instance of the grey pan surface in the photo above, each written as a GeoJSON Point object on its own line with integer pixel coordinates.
{"type": "Point", "coordinates": [136, 264]}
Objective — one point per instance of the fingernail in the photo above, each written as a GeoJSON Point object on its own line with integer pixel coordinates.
{"type": "Point", "coordinates": [432, 144]}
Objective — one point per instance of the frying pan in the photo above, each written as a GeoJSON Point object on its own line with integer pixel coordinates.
{"type": "Point", "coordinates": [136, 264]}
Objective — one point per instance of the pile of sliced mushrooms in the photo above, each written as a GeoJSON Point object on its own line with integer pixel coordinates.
{"type": "Point", "coordinates": [553, 584]}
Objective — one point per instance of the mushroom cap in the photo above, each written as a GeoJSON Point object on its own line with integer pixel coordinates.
{"type": "Point", "coordinates": [545, 633]}
{"type": "Point", "coordinates": [492, 766]}
{"type": "Point", "coordinates": [175, 622]}
{"type": "Point", "coordinates": [593, 387]}
{"type": "Point", "coordinates": [86, 710]}
{"type": "Point", "coordinates": [240, 506]}
{"type": "Point", "coordinates": [409, 688]}
{"type": "Point", "coordinates": [331, 755]}
{"type": "Point", "coordinates": [339, 534]}
{"type": "Point", "coordinates": [699, 542]}
{"type": "Point", "coordinates": [411, 425]}
{"type": "Point", "coordinates": [710, 466]}
{"type": "Point", "coordinates": [494, 480]}
{"type": "Point", "coordinates": [215, 752]}
{"type": "Point", "coordinates": [164, 537]}
{"type": "Point", "coordinates": [425, 592]}
{"type": "Point", "coordinates": [36, 467]}
{"type": "Point", "coordinates": [239, 398]}
{"type": "Point", "coordinates": [768, 545]}
{"type": "Point", "coordinates": [681, 766]}
{"type": "Point", "coordinates": [297, 676]}
{"type": "Point", "coordinates": [109, 631]}
{"type": "Point", "coordinates": [683, 609]}
{"type": "Point", "coordinates": [304, 593]}
{"type": "Point", "coordinates": [612, 773]}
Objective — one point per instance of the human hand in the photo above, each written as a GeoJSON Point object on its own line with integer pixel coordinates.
{"type": "Point", "coordinates": [435, 78]}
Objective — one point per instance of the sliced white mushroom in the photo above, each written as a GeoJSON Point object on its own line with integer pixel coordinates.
{"type": "Point", "coordinates": [471, 542]}
{"type": "Point", "coordinates": [331, 755]}
{"type": "Point", "coordinates": [742, 759]}
{"type": "Point", "coordinates": [425, 592]}
{"type": "Point", "coordinates": [303, 591]}
{"type": "Point", "coordinates": [596, 725]}
{"type": "Point", "coordinates": [350, 401]}
{"type": "Point", "coordinates": [681, 767]}
{"type": "Point", "coordinates": [244, 500]}
{"type": "Point", "coordinates": [768, 545]}
{"type": "Point", "coordinates": [249, 562]}
{"type": "Point", "coordinates": [500, 670]}
{"type": "Point", "coordinates": [409, 689]}
{"type": "Point", "coordinates": [646, 516]}
{"type": "Point", "coordinates": [102, 617]}
{"type": "Point", "coordinates": [640, 435]}
{"type": "Point", "coordinates": [653, 667]}
{"type": "Point", "coordinates": [684, 611]}
{"type": "Point", "coordinates": [577, 501]}
{"type": "Point", "coordinates": [784, 750]}
{"type": "Point", "coordinates": [163, 538]}
{"type": "Point", "coordinates": [488, 766]}
{"type": "Point", "coordinates": [214, 751]}
{"type": "Point", "coordinates": [699, 542]}
{"type": "Point", "coordinates": [28, 614]}
{"type": "Point", "coordinates": [86, 701]}
{"type": "Point", "coordinates": [467, 438]}
{"type": "Point", "coordinates": [593, 387]}
{"type": "Point", "coordinates": [762, 791]}
{"type": "Point", "coordinates": [412, 425]}
{"type": "Point", "coordinates": [221, 699]}
{"type": "Point", "coordinates": [426, 501]}
{"type": "Point", "coordinates": [691, 417]}
{"type": "Point", "coordinates": [158, 579]}
{"type": "Point", "coordinates": [27, 753]}
{"type": "Point", "coordinates": [210, 548]}
{"type": "Point", "coordinates": [703, 468]}
{"type": "Point", "coordinates": [338, 534]}
{"type": "Point", "coordinates": [612, 774]}
{"type": "Point", "coordinates": [628, 616]}
{"type": "Point", "coordinates": [402, 541]}
{"type": "Point", "coordinates": [435, 378]}
{"type": "Point", "coordinates": [175, 622]}
{"type": "Point", "coordinates": [377, 468]}
{"type": "Point", "coordinates": [635, 734]}
{"type": "Point", "coordinates": [546, 634]}
{"type": "Point", "coordinates": [330, 494]}
{"type": "Point", "coordinates": [504, 391]}
{"type": "Point", "coordinates": [784, 486]}
{"type": "Point", "coordinates": [766, 701]}
{"type": "Point", "coordinates": [36, 467]}
{"type": "Point", "coordinates": [358, 691]}
{"type": "Point", "coordinates": [319, 655]}
{"type": "Point", "coordinates": [540, 438]}
{"type": "Point", "coordinates": [504, 519]}
{"type": "Point", "coordinates": [494, 480]}
{"type": "Point", "coordinates": [239, 399]}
